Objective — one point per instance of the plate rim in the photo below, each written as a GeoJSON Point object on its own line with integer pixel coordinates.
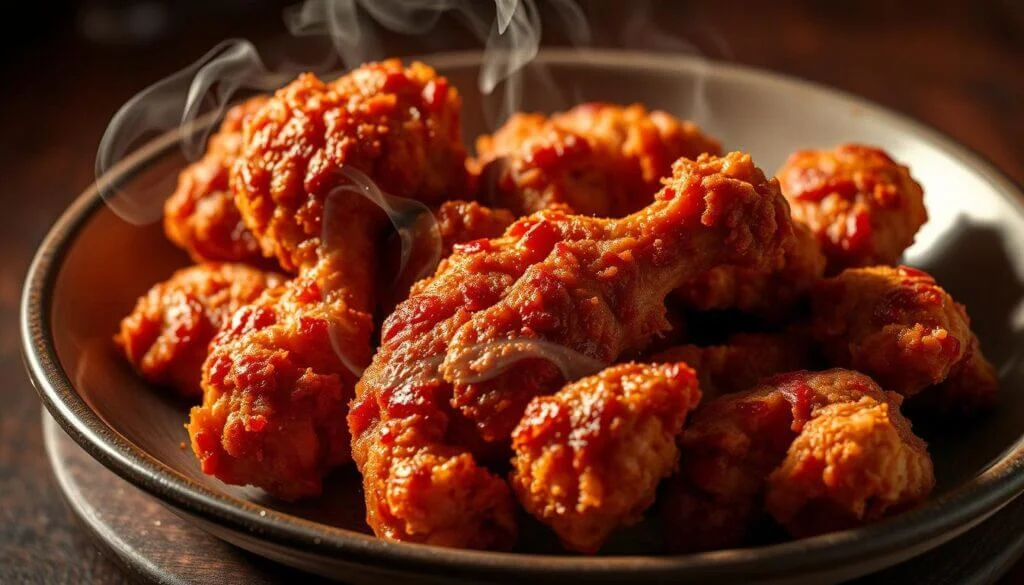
{"type": "Point", "coordinates": [921, 528]}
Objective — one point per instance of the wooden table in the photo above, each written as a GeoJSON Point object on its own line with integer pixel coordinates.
{"type": "Point", "coordinates": [958, 66]}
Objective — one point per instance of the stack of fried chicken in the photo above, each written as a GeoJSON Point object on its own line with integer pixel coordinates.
{"type": "Point", "coordinates": [559, 359]}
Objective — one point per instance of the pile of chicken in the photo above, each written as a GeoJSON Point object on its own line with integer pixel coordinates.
{"type": "Point", "coordinates": [551, 359]}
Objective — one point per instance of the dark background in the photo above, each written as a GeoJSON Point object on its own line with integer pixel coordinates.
{"type": "Point", "coordinates": [67, 67]}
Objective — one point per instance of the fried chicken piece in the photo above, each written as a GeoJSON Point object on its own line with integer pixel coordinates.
{"type": "Point", "coordinates": [279, 379]}
{"type": "Point", "coordinates": [276, 390]}
{"type": "Point", "coordinates": [201, 216]}
{"type": "Point", "coordinates": [773, 295]}
{"type": "Point", "coordinates": [399, 126]}
{"type": "Point", "coordinates": [743, 361]}
{"type": "Point", "coordinates": [599, 159]}
{"type": "Point", "coordinates": [589, 458]}
{"type": "Point", "coordinates": [434, 236]}
{"type": "Point", "coordinates": [899, 327]}
{"type": "Point", "coordinates": [167, 335]}
{"type": "Point", "coordinates": [863, 207]}
{"type": "Point", "coordinates": [460, 359]}
{"type": "Point", "coordinates": [817, 451]}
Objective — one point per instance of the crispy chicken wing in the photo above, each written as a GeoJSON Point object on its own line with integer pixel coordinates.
{"type": "Point", "coordinates": [743, 361]}
{"type": "Point", "coordinates": [863, 207]}
{"type": "Point", "coordinates": [399, 126]}
{"type": "Point", "coordinates": [166, 337]}
{"type": "Point", "coordinates": [589, 458]}
{"type": "Point", "coordinates": [201, 216]}
{"type": "Point", "coordinates": [901, 328]}
{"type": "Point", "coordinates": [460, 359]}
{"type": "Point", "coordinates": [278, 380]}
{"type": "Point", "coordinates": [817, 451]}
{"type": "Point", "coordinates": [599, 159]}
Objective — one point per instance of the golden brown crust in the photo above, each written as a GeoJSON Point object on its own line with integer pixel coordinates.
{"type": "Point", "coordinates": [201, 216]}
{"type": "Point", "coordinates": [772, 295]}
{"type": "Point", "coordinates": [742, 361]}
{"type": "Point", "coordinates": [598, 159]}
{"type": "Point", "coordinates": [276, 388]}
{"type": "Point", "coordinates": [894, 324]}
{"type": "Point", "coordinates": [398, 125]}
{"type": "Point", "coordinates": [167, 334]}
{"type": "Point", "coordinates": [863, 207]}
{"type": "Point", "coordinates": [589, 458]}
{"type": "Point", "coordinates": [592, 286]}
{"type": "Point", "coordinates": [818, 451]}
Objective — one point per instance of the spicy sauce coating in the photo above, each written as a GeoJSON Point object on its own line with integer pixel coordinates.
{"type": "Point", "coordinates": [863, 207]}
{"type": "Point", "coordinates": [201, 216]}
{"type": "Point", "coordinates": [895, 324]}
{"type": "Point", "coordinates": [588, 459]}
{"type": "Point", "coordinates": [593, 286]}
{"type": "Point", "coordinates": [742, 361]}
{"type": "Point", "coordinates": [398, 125]}
{"type": "Point", "coordinates": [598, 159]}
{"type": "Point", "coordinates": [276, 388]}
{"type": "Point", "coordinates": [817, 451]}
{"type": "Point", "coordinates": [166, 336]}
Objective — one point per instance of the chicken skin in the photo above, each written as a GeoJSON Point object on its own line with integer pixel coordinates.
{"type": "Point", "coordinates": [817, 451]}
{"type": "Point", "coordinates": [398, 126]}
{"type": "Point", "coordinates": [772, 296]}
{"type": "Point", "coordinates": [201, 216]}
{"type": "Point", "coordinates": [166, 337]}
{"type": "Point", "coordinates": [597, 159]}
{"type": "Point", "coordinates": [460, 360]}
{"type": "Point", "coordinates": [279, 378]}
{"type": "Point", "coordinates": [902, 329]}
{"type": "Point", "coordinates": [863, 207]}
{"type": "Point", "coordinates": [589, 458]}
{"type": "Point", "coordinates": [743, 361]}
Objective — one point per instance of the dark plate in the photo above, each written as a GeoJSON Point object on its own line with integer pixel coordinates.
{"type": "Point", "coordinates": [93, 265]}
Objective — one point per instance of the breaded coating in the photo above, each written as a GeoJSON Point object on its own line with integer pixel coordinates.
{"type": "Point", "coordinates": [772, 295]}
{"type": "Point", "coordinates": [589, 458]}
{"type": "Point", "coordinates": [863, 207]}
{"type": "Point", "coordinates": [894, 324]}
{"type": "Point", "coordinates": [598, 159]}
{"type": "Point", "coordinates": [166, 336]}
{"type": "Point", "coordinates": [742, 361]}
{"type": "Point", "coordinates": [201, 216]}
{"type": "Point", "coordinates": [460, 359]}
{"type": "Point", "coordinates": [276, 390]}
{"type": "Point", "coordinates": [817, 451]}
{"type": "Point", "coordinates": [398, 125]}
{"type": "Point", "coordinates": [279, 379]}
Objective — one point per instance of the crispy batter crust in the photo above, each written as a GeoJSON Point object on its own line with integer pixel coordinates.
{"type": "Point", "coordinates": [598, 159]}
{"type": "Point", "coordinates": [594, 286]}
{"type": "Point", "coordinates": [817, 451]}
{"type": "Point", "coordinates": [166, 336]}
{"type": "Point", "coordinates": [771, 295]}
{"type": "Point", "coordinates": [589, 458]}
{"type": "Point", "coordinates": [863, 207]}
{"type": "Point", "coordinates": [899, 327]}
{"type": "Point", "coordinates": [398, 125]}
{"type": "Point", "coordinates": [201, 216]}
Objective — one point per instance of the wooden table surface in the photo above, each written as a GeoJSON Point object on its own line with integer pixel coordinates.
{"type": "Point", "coordinates": [958, 66]}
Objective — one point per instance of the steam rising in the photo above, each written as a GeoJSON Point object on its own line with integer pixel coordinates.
{"type": "Point", "coordinates": [482, 362]}
{"type": "Point", "coordinates": [176, 102]}
{"type": "Point", "coordinates": [511, 33]}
